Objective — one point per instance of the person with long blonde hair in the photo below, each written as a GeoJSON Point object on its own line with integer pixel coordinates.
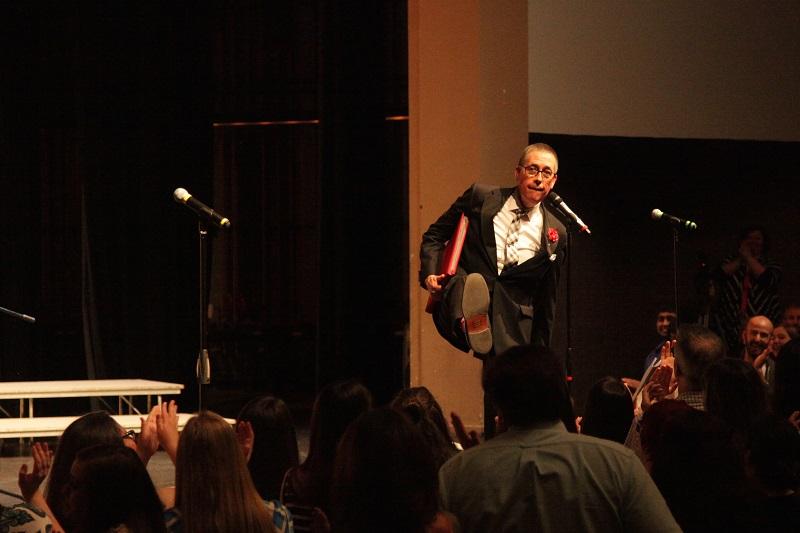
{"type": "Point", "coordinates": [213, 488]}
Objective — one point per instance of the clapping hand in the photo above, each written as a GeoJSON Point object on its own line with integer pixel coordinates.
{"type": "Point", "coordinates": [29, 482]}
{"type": "Point", "coordinates": [147, 442]}
{"type": "Point", "coordinates": [467, 440]}
{"type": "Point", "coordinates": [167, 427]}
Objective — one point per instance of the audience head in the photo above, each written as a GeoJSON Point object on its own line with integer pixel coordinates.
{"type": "Point", "coordinates": [337, 405]}
{"type": "Point", "coordinates": [791, 315]}
{"type": "Point", "coordinates": [653, 422]}
{"type": "Point", "coordinates": [110, 487]}
{"type": "Point", "coordinates": [786, 380]}
{"type": "Point", "coordinates": [666, 321]}
{"type": "Point", "coordinates": [755, 238]}
{"type": "Point", "coordinates": [696, 348]}
{"type": "Point", "coordinates": [781, 335]}
{"type": "Point", "coordinates": [385, 478]}
{"type": "Point", "coordinates": [756, 335]}
{"type": "Point", "coordinates": [424, 411]}
{"type": "Point", "coordinates": [735, 392]}
{"type": "Point", "coordinates": [97, 427]}
{"type": "Point", "coordinates": [608, 411]}
{"type": "Point", "coordinates": [275, 443]}
{"type": "Point", "coordinates": [213, 488]}
{"type": "Point", "coordinates": [699, 469]}
{"type": "Point", "coordinates": [527, 384]}
{"type": "Point", "coordinates": [774, 455]}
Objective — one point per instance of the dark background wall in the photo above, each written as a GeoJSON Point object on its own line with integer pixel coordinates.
{"type": "Point", "coordinates": [624, 271]}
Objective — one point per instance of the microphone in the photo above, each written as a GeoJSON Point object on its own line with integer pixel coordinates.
{"type": "Point", "coordinates": [658, 214]}
{"type": "Point", "coordinates": [558, 202]}
{"type": "Point", "coordinates": [182, 196]}
{"type": "Point", "coordinates": [25, 318]}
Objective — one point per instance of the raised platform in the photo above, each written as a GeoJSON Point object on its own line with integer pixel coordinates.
{"type": "Point", "coordinates": [27, 426]}
{"type": "Point", "coordinates": [54, 426]}
{"type": "Point", "coordinates": [123, 389]}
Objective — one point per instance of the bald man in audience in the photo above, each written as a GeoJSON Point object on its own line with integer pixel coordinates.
{"type": "Point", "coordinates": [755, 337]}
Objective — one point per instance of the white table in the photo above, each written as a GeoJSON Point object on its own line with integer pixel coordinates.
{"type": "Point", "coordinates": [123, 389]}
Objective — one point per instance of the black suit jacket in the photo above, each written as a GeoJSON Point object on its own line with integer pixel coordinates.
{"type": "Point", "coordinates": [523, 297]}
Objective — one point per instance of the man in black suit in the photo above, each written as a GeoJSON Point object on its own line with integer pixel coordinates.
{"type": "Point", "coordinates": [504, 293]}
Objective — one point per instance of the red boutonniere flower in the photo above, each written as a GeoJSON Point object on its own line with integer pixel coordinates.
{"type": "Point", "coordinates": [552, 235]}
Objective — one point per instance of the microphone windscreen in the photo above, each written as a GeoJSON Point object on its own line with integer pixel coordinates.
{"type": "Point", "coordinates": [181, 195]}
{"type": "Point", "coordinates": [555, 198]}
{"type": "Point", "coordinates": [656, 214]}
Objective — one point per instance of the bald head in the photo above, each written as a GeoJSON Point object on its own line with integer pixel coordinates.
{"type": "Point", "coordinates": [755, 336]}
{"type": "Point", "coordinates": [696, 348]}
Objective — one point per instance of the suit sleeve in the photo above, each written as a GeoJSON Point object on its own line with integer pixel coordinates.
{"type": "Point", "coordinates": [435, 238]}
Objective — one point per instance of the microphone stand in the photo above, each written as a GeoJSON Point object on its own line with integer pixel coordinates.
{"type": "Point", "coordinates": [675, 273]}
{"type": "Point", "coordinates": [568, 356]}
{"type": "Point", "coordinates": [203, 366]}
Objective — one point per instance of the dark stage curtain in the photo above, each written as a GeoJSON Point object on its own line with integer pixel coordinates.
{"type": "Point", "coordinates": [106, 114]}
{"type": "Point", "coordinates": [275, 113]}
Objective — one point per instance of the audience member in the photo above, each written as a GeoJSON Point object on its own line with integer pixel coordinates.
{"type": "Point", "coordinates": [110, 490]}
{"type": "Point", "coordinates": [24, 518]}
{"type": "Point", "coordinates": [609, 410]}
{"type": "Point", "coordinates": [266, 431]}
{"type": "Point", "coordinates": [696, 348]}
{"type": "Point", "coordinates": [213, 488]}
{"type": "Point", "coordinates": [424, 411]}
{"type": "Point", "coordinates": [652, 427]}
{"type": "Point", "coordinates": [756, 336]}
{"type": "Point", "coordinates": [385, 478]}
{"type": "Point", "coordinates": [93, 428]}
{"type": "Point", "coordinates": [747, 285]}
{"type": "Point", "coordinates": [537, 476]}
{"type": "Point", "coordinates": [735, 392]}
{"type": "Point", "coordinates": [780, 336]}
{"type": "Point", "coordinates": [786, 386]}
{"type": "Point", "coordinates": [783, 334]}
{"type": "Point", "coordinates": [791, 315]}
{"type": "Point", "coordinates": [306, 487]}
{"type": "Point", "coordinates": [666, 325]}
{"type": "Point", "coordinates": [774, 464]}
{"type": "Point", "coordinates": [699, 469]}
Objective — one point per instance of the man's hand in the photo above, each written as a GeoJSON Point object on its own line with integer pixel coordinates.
{"type": "Point", "coordinates": [467, 440]}
{"type": "Point", "coordinates": [434, 283]}
{"type": "Point", "coordinates": [631, 383]}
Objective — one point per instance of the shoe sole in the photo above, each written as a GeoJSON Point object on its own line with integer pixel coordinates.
{"type": "Point", "coordinates": [475, 309]}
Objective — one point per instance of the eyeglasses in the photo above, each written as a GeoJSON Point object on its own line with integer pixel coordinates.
{"type": "Point", "coordinates": [533, 170]}
{"type": "Point", "coordinates": [131, 434]}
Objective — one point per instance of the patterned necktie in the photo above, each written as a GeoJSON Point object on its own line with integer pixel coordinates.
{"type": "Point", "coordinates": [512, 256]}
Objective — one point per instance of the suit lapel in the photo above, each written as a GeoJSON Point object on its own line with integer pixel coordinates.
{"type": "Point", "coordinates": [549, 246]}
